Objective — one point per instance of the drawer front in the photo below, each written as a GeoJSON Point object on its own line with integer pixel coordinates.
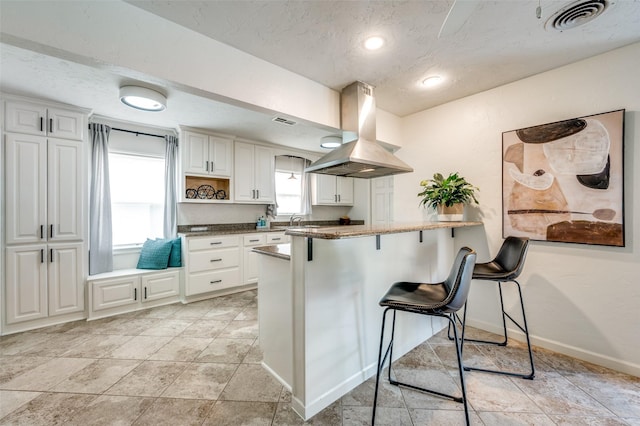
{"type": "Point", "coordinates": [212, 281]}
{"type": "Point", "coordinates": [207, 243]}
{"type": "Point", "coordinates": [254, 240]}
{"type": "Point", "coordinates": [213, 259]}
{"type": "Point", "coordinates": [278, 238]}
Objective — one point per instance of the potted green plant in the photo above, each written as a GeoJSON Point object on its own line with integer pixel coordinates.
{"type": "Point", "coordinates": [448, 196]}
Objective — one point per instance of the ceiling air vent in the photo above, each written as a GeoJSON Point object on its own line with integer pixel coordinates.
{"type": "Point", "coordinates": [283, 120]}
{"type": "Point", "coordinates": [576, 14]}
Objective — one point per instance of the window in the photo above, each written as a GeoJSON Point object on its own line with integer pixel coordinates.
{"type": "Point", "coordinates": [137, 198]}
{"type": "Point", "coordinates": [288, 185]}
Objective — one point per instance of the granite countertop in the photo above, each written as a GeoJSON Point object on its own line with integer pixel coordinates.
{"type": "Point", "coordinates": [354, 231]}
{"type": "Point", "coordinates": [281, 251]}
{"type": "Point", "coordinates": [248, 228]}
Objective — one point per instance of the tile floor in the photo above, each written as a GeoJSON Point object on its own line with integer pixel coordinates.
{"type": "Point", "coordinates": [199, 364]}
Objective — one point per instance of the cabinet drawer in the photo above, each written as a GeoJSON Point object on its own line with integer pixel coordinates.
{"type": "Point", "coordinates": [214, 259]}
{"type": "Point", "coordinates": [212, 281]}
{"type": "Point", "coordinates": [277, 238]}
{"type": "Point", "coordinates": [206, 243]}
{"type": "Point", "coordinates": [254, 240]}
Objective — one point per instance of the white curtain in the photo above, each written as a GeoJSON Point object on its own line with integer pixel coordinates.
{"type": "Point", "coordinates": [306, 188]}
{"type": "Point", "coordinates": [170, 178]}
{"type": "Point", "coordinates": [100, 236]}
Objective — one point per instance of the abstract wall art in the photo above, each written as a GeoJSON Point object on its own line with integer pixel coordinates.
{"type": "Point", "coordinates": [564, 181]}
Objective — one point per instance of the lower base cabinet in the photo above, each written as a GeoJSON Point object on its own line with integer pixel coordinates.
{"type": "Point", "coordinates": [131, 291]}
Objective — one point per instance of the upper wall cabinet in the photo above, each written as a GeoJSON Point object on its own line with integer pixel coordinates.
{"type": "Point", "coordinates": [329, 190]}
{"type": "Point", "coordinates": [254, 174]}
{"type": "Point", "coordinates": [35, 119]}
{"type": "Point", "coordinates": [207, 166]}
{"type": "Point", "coordinates": [206, 154]}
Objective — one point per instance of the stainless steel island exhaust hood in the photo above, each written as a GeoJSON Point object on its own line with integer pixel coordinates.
{"type": "Point", "coordinates": [363, 157]}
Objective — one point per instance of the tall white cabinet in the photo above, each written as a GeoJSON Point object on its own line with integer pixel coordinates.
{"type": "Point", "coordinates": [45, 185]}
{"type": "Point", "coordinates": [254, 176]}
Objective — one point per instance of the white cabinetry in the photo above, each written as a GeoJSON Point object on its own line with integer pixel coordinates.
{"type": "Point", "coordinates": [250, 259]}
{"type": "Point", "coordinates": [36, 119]}
{"type": "Point", "coordinates": [329, 190]}
{"type": "Point", "coordinates": [254, 173]}
{"type": "Point", "coordinates": [45, 184]}
{"type": "Point", "coordinates": [206, 154]}
{"type": "Point", "coordinates": [132, 289]}
{"type": "Point", "coordinates": [211, 264]}
{"type": "Point", "coordinates": [44, 280]}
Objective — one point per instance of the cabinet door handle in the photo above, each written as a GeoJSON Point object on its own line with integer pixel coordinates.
{"type": "Point", "coordinates": [51, 125]}
{"type": "Point", "coordinates": [145, 292]}
{"type": "Point", "coordinates": [206, 166]}
{"type": "Point", "coordinates": [215, 282]}
{"type": "Point", "coordinates": [51, 255]}
{"type": "Point", "coordinates": [253, 241]}
{"type": "Point", "coordinates": [276, 239]}
{"type": "Point", "coordinates": [135, 294]}
{"type": "Point", "coordinates": [51, 231]}
{"type": "Point", "coordinates": [253, 194]}
{"type": "Point", "coordinates": [215, 260]}
{"type": "Point", "coordinates": [41, 231]}
{"type": "Point", "coordinates": [339, 198]}
{"type": "Point", "coordinates": [41, 255]}
{"type": "Point", "coordinates": [258, 193]}
{"type": "Point", "coordinates": [41, 124]}
{"type": "Point", "coordinates": [215, 243]}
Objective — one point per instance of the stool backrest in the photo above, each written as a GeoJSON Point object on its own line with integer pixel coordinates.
{"type": "Point", "coordinates": [459, 280]}
{"type": "Point", "coordinates": [512, 254]}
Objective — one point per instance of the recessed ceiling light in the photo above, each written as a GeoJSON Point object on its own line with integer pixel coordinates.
{"type": "Point", "coordinates": [142, 98]}
{"type": "Point", "coordinates": [432, 81]}
{"type": "Point", "coordinates": [374, 43]}
{"type": "Point", "coordinates": [330, 142]}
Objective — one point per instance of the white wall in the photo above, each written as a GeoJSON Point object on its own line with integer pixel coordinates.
{"type": "Point", "coordinates": [580, 300]}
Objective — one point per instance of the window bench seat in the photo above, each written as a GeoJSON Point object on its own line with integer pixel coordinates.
{"type": "Point", "coordinates": [128, 290]}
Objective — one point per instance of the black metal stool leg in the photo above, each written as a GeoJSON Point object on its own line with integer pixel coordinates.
{"type": "Point", "coordinates": [524, 328]}
{"type": "Point", "coordinates": [381, 363]}
{"type": "Point", "coordinates": [458, 344]}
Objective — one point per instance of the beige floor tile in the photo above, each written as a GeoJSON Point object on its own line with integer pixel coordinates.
{"type": "Point", "coordinates": [240, 330]}
{"type": "Point", "coordinates": [181, 349]}
{"type": "Point", "coordinates": [110, 410]}
{"type": "Point", "coordinates": [208, 328]}
{"type": "Point", "coordinates": [97, 376]}
{"type": "Point", "coordinates": [226, 350]}
{"type": "Point", "coordinates": [444, 417]}
{"type": "Point", "coordinates": [190, 311]}
{"type": "Point", "coordinates": [592, 421]}
{"type": "Point", "coordinates": [150, 378]}
{"type": "Point", "coordinates": [388, 394]}
{"type": "Point", "coordinates": [201, 381]}
{"type": "Point", "coordinates": [385, 416]}
{"type": "Point", "coordinates": [223, 313]}
{"type": "Point", "coordinates": [56, 347]}
{"type": "Point", "coordinates": [437, 380]}
{"type": "Point", "coordinates": [45, 376]}
{"type": "Point", "coordinates": [248, 314]}
{"type": "Point", "coordinates": [618, 392]}
{"type": "Point", "coordinates": [159, 312]}
{"type": "Point", "coordinates": [167, 327]}
{"type": "Point", "coordinates": [251, 382]}
{"type": "Point", "coordinates": [17, 343]}
{"type": "Point", "coordinates": [12, 400]}
{"type": "Point", "coordinates": [169, 411]}
{"type": "Point", "coordinates": [510, 419]}
{"type": "Point", "coordinates": [50, 409]}
{"type": "Point", "coordinates": [420, 358]}
{"type": "Point", "coordinates": [13, 366]}
{"type": "Point", "coordinates": [285, 416]}
{"type": "Point", "coordinates": [129, 326]}
{"type": "Point", "coordinates": [139, 347]}
{"type": "Point", "coordinates": [233, 413]}
{"type": "Point", "coordinates": [494, 392]}
{"type": "Point", "coordinates": [254, 356]}
{"type": "Point", "coordinates": [97, 346]}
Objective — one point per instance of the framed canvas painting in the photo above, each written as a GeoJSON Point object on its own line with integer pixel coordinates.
{"type": "Point", "coordinates": [563, 181]}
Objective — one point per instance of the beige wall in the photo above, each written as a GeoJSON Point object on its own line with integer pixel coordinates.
{"type": "Point", "coordinates": [581, 300]}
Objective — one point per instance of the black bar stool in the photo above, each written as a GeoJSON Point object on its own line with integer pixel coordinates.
{"type": "Point", "coordinates": [437, 299]}
{"type": "Point", "coordinates": [506, 267]}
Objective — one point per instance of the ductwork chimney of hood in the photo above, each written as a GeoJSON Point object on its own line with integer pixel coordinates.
{"type": "Point", "coordinates": [362, 158]}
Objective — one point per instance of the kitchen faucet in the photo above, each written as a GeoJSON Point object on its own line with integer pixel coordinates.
{"type": "Point", "coordinates": [295, 218]}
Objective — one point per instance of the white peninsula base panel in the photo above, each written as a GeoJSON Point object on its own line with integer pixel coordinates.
{"type": "Point", "coordinates": [319, 314]}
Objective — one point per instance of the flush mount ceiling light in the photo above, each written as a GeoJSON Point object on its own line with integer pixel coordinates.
{"type": "Point", "coordinates": [432, 81]}
{"type": "Point", "coordinates": [374, 43]}
{"type": "Point", "coordinates": [330, 142]}
{"type": "Point", "coordinates": [142, 98]}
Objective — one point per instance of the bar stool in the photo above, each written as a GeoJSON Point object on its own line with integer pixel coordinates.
{"type": "Point", "coordinates": [506, 267]}
{"type": "Point", "coordinates": [437, 299]}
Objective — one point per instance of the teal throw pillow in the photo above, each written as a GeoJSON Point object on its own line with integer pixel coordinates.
{"type": "Point", "coordinates": [175, 257]}
{"type": "Point", "coordinates": [155, 254]}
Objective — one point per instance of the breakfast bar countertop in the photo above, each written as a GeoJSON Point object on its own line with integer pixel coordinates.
{"type": "Point", "coordinates": [281, 251]}
{"type": "Point", "coordinates": [354, 231]}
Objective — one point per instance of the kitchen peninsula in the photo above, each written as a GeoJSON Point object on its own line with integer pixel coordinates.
{"type": "Point", "coordinates": [318, 301]}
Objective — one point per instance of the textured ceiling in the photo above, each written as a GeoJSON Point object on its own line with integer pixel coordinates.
{"type": "Point", "coordinates": [500, 42]}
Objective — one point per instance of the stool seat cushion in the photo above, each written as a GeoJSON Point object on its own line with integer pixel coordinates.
{"type": "Point", "coordinates": [492, 271]}
{"type": "Point", "coordinates": [415, 297]}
